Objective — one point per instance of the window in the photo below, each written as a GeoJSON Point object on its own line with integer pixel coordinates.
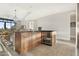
{"type": "Point", "coordinates": [9, 25]}
{"type": "Point", "coordinates": [6, 23]}
{"type": "Point", "coordinates": [1, 25]}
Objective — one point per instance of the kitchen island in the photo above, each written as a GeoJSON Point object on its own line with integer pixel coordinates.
{"type": "Point", "coordinates": [27, 40]}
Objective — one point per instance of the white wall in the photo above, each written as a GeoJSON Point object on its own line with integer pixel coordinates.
{"type": "Point", "coordinates": [59, 22]}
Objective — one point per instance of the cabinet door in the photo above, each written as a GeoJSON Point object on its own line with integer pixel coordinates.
{"type": "Point", "coordinates": [24, 45]}
{"type": "Point", "coordinates": [36, 39]}
{"type": "Point", "coordinates": [25, 42]}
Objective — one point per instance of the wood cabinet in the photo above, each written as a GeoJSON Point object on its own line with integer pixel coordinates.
{"type": "Point", "coordinates": [53, 35]}
{"type": "Point", "coordinates": [48, 38]}
{"type": "Point", "coordinates": [18, 42]}
{"type": "Point", "coordinates": [25, 41]}
{"type": "Point", "coordinates": [36, 39]}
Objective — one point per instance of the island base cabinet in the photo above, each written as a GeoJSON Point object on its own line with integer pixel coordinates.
{"type": "Point", "coordinates": [25, 41]}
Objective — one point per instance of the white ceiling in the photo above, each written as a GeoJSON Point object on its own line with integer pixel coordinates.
{"type": "Point", "coordinates": [34, 11]}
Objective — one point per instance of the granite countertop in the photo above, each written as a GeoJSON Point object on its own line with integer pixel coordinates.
{"type": "Point", "coordinates": [38, 31]}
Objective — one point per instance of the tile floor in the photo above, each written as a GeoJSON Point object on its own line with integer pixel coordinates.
{"type": "Point", "coordinates": [44, 50]}
{"type": "Point", "coordinates": [59, 50]}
